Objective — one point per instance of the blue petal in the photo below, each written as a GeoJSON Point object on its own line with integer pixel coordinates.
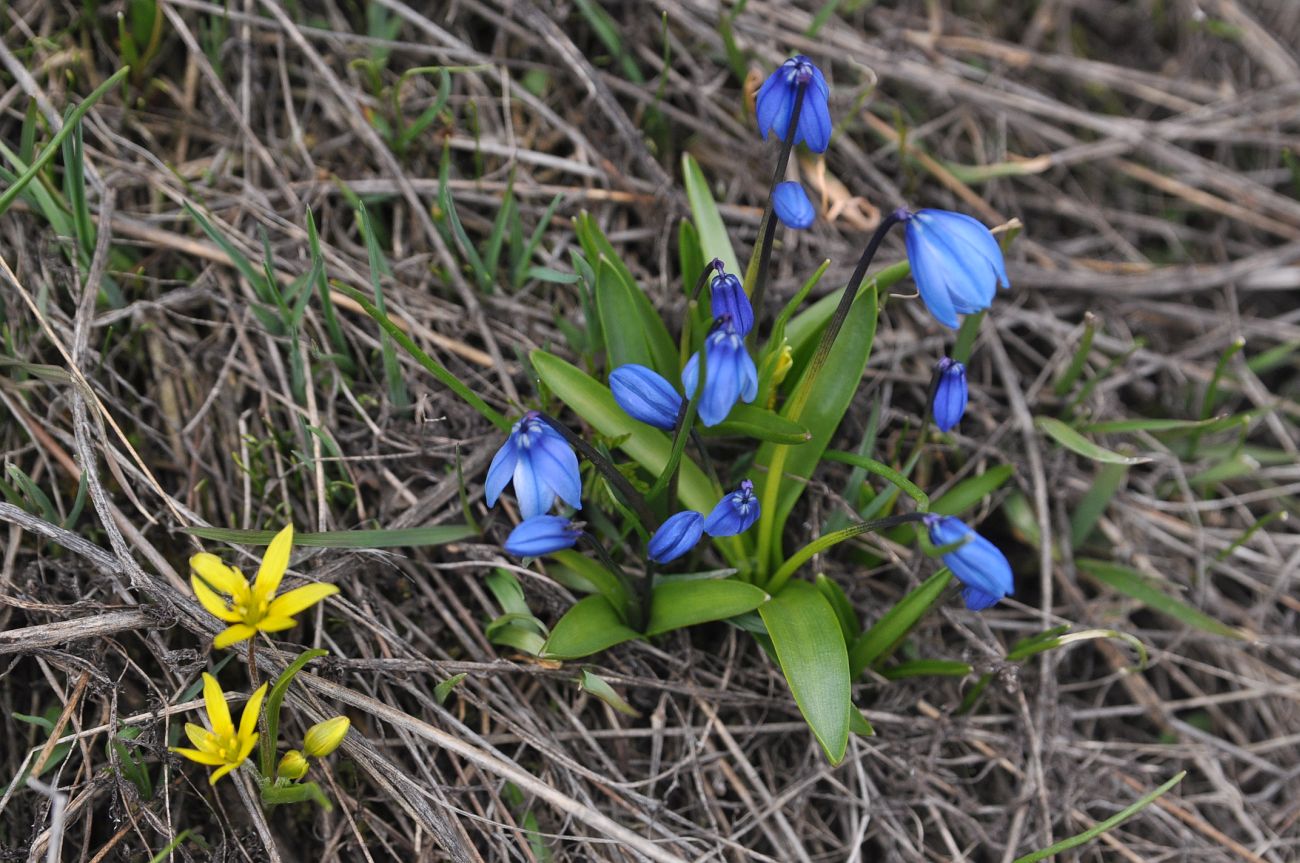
{"type": "Point", "coordinates": [676, 536]}
{"type": "Point", "coordinates": [978, 600]}
{"type": "Point", "coordinates": [727, 297]}
{"type": "Point", "coordinates": [500, 471]}
{"type": "Point", "coordinates": [950, 396]}
{"type": "Point", "coordinates": [556, 464]}
{"type": "Point", "coordinates": [928, 273]}
{"type": "Point", "coordinates": [724, 520]}
{"type": "Point", "coordinates": [815, 117]}
{"type": "Point", "coordinates": [535, 496]}
{"type": "Point", "coordinates": [748, 378]}
{"type": "Point", "coordinates": [541, 534]}
{"type": "Point", "coordinates": [721, 386]}
{"type": "Point", "coordinates": [645, 395]}
{"type": "Point", "coordinates": [773, 105]}
{"type": "Point", "coordinates": [691, 375]}
{"type": "Point", "coordinates": [972, 233]}
{"type": "Point", "coordinates": [791, 205]}
{"type": "Point", "coordinates": [972, 254]}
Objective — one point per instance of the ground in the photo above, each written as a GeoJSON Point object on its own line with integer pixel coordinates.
{"type": "Point", "coordinates": [157, 376]}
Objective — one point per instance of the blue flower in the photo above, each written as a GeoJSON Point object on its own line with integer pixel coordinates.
{"type": "Point", "coordinates": [645, 395]}
{"type": "Point", "coordinates": [541, 534]}
{"type": "Point", "coordinates": [792, 206]}
{"type": "Point", "coordinates": [956, 263]}
{"type": "Point", "coordinates": [542, 465]}
{"type": "Point", "coordinates": [949, 393]}
{"type": "Point", "coordinates": [729, 374]}
{"type": "Point", "coordinates": [774, 104]}
{"type": "Point", "coordinates": [735, 513]}
{"type": "Point", "coordinates": [676, 536]}
{"type": "Point", "coordinates": [727, 299]}
{"type": "Point", "coordinates": [977, 564]}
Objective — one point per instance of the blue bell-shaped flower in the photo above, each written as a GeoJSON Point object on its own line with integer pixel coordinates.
{"type": "Point", "coordinates": [956, 263]}
{"type": "Point", "coordinates": [727, 299]}
{"type": "Point", "coordinates": [978, 564]}
{"type": "Point", "coordinates": [774, 104]}
{"type": "Point", "coordinates": [645, 395]}
{"type": "Point", "coordinates": [735, 513]}
{"type": "Point", "coordinates": [729, 375]}
{"type": "Point", "coordinates": [676, 536]}
{"type": "Point", "coordinates": [792, 207]}
{"type": "Point", "coordinates": [949, 393]}
{"type": "Point", "coordinates": [541, 464]}
{"type": "Point", "coordinates": [542, 534]}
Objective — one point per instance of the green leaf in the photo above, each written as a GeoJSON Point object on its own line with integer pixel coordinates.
{"type": "Point", "coordinates": [858, 723]}
{"type": "Point", "coordinates": [271, 709]}
{"type": "Point", "coordinates": [444, 688]}
{"type": "Point", "coordinates": [412, 537]}
{"type": "Point", "coordinates": [1135, 585]}
{"type": "Point", "coordinates": [689, 254]}
{"type": "Point", "coordinates": [879, 641]}
{"type": "Point", "coordinates": [592, 625]}
{"type": "Point", "coordinates": [1075, 442]}
{"type": "Point", "coordinates": [597, 686]}
{"type": "Point", "coordinates": [714, 240]}
{"type": "Point", "coordinates": [927, 668]}
{"type": "Point", "coordinates": [677, 604]}
{"type": "Point", "coordinates": [648, 446]}
{"type": "Point", "coordinates": [885, 472]}
{"type": "Point", "coordinates": [1110, 478]}
{"type": "Point", "coordinates": [634, 332]}
{"type": "Point", "coordinates": [969, 492]}
{"type": "Point", "coordinates": [844, 612]}
{"type": "Point", "coordinates": [759, 424]}
{"type": "Point", "coordinates": [1098, 829]}
{"type": "Point", "coordinates": [810, 648]}
{"type": "Point", "coordinates": [579, 572]}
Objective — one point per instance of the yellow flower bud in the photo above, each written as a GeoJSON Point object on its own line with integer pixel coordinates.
{"type": "Point", "coordinates": [324, 737]}
{"type": "Point", "coordinates": [784, 361]}
{"type": "Point", "coordinates": [293, 766]}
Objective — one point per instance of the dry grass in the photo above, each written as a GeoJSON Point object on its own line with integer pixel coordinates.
{"type": "Point", "coordinates": [1140, 143]}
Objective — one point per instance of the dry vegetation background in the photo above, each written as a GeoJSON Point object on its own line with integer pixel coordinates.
{"type": "Point", "coordinates": [1144, 145]}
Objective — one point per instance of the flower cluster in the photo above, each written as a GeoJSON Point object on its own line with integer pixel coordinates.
{"type": "Point", "coordinates": [734, 514]}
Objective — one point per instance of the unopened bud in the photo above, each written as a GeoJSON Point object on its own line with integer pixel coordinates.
{"type": "Point", "coordinates": [324, 737]}
{"type": "Point", "coordinates": [293, 766]}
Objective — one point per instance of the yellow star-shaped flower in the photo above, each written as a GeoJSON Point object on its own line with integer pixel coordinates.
{"type": "Point", "coordinates": [223, 747]}
{"type": "Point", "coordinates": [253, 608]}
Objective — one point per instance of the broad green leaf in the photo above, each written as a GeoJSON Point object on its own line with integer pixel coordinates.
{"type": "Point", "coordinates": [592, 625]}
{"type": "Point", "coordinates": [508, 592]}
{"type": "Point", "coordinates": [826, 396]}
{"type": "Point", "coordinates": [844, 612]}
{"type": "Point", "coordinates": [525, 640]}
{"type": "Point", "coordinates": [1098, 829]}
{"type": "Point", "coordinates": [648, 446]}
{"type": "Point", "coordinates": [858, 723]}
{"type": "Point", "coordinates": [927, 668]}
{"type": "Point", "coordinates": [1075, 442]}
{"type": "Point", "coordinates": [714, 240]}
{"type": "Point", "coordinates": [759, 424]}
{"type": "Point", "coordinates": [810, 648]}
{"type": "Point", "coordinates": [634, 332]}
{"type": "Point", "coordinates": [689, 254]}
{"type": "Point", "coordinates": [880, 640]}
{"type": "Point", "coordinates": [1135, 585]}
{"type": "Point", "coordinates": [804, 328]}
{"type": "Point", "coordinates": [440, 534]}
{"type": "Point", "coordinates": [579, 572]}
{"type": "Point", "coordinates": [677, 604]}
{"type": "Point", "coordinates": [597, 686]}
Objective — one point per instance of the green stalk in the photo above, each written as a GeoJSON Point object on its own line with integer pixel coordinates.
{"type": "Point", "coordinates": [800, 557]}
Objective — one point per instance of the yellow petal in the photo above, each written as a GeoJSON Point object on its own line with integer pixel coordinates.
{"type": "Point", "coordinates": [201, 737]}
{"type": "Point", "coordinates": [221, 771]}
{"type": "Point", "coordinates": [218, 712]}
{"type": "Point", "coordinates": [274, 564]}
{"type": "Point", "coordinates": [248, 722]}
{"type": "Point", "coordinates": [210, 600]}
{"type": "Point", "coordinates": [246, 749]}
{"type": "Point", "coordinates": [299, 599]}
{"type": "Point", "coordinates": [276, 624]}
{"type": "Point", "coordinates": [217, 574]}
{"type": "Point", "coordinates": [200, 757]}
{"type": "Point", "coordinates": [233, 635]}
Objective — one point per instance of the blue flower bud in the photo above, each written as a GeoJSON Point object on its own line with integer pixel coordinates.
{"type": "Point", "coordinates": [977, 563]}
{"type": "Point", "coordinates": [727, 299]}
{"type": "Point", "coordinates": [792, 206]}
{"type": "Point", "coordinates": [541, 464]}
{"type": "Point", "coordinates": [949, 393]}
{"type": "Point", "coordinates": [956, 263]}
{"type": "Point", "coordinates": [676, 536]}
{"type": "Point", "coordinates": [645, 395]}
{"type": "Point", "coordinates": [735, 513]}
{"type": "Point", "coordinates": [541, 534]}
{"type": "Point", "coordinates": [774, 104]}
{"type": "Point", "coordinates": [729, 375]}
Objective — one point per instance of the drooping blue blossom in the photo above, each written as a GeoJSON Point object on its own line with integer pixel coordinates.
{"type": "Point", "coordinates": [729, 373]}
{"type": "Point", "coordinates": [949, 393]}
{"type": "Point", "coordinates": [645, 395]}
{"type": "Point", "coordinates": [774, 104]}
{"type": "Point", "coordinates": [542, 534]}
{"type": "Point", "coordinates": [956, 263]}
{"type": "Point", "coordinates": [792, 207]}
{"type": "Point", "coordinates": [676, 536]}
{"type": "Point", "coordinates": [541, 464]}
{"type": "Point", "coordinates": [735, 513]}
{"type": "Point", "coordinates": [727, 299]}
{"type": "Point", "coordinates": [978, 564]}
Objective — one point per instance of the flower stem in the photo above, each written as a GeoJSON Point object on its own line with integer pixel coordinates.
{"type": "Point", "coordinates": [756, 273]}
{"type": "Point", "coordinates": [638, 601]}
{"type": "Point", "coordinates": [631, 497]}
